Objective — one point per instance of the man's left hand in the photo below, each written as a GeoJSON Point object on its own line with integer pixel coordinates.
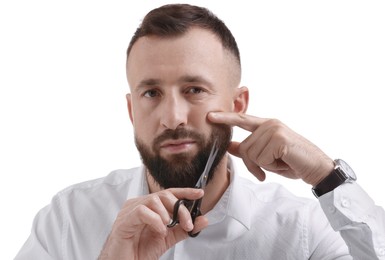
{"type": "Point", "coordinates": [275, 147]}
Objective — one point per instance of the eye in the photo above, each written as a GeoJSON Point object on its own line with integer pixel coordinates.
{"type": "Point", "coordinates": [195, 90]}
{"type": "Point", "coordinates": [151, 93]}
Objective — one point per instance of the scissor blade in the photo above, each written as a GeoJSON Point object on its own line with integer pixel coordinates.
{"type": "Point", "coordinates": [204, 177]}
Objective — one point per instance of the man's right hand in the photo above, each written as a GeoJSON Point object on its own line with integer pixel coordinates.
{"type": "Point", "coordinates": [140, 230]}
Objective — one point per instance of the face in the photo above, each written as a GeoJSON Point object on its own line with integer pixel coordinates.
{"type": "Point", "coordinates": [175, 83]}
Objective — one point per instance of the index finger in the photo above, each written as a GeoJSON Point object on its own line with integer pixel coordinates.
{"type": "Point", "coordinates": [187, 193]}
{"type": "Point", "coordinates": [247, 122]}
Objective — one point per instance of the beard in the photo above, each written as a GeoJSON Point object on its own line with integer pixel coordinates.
{"type": "Point", "coordinates": [183, 170]}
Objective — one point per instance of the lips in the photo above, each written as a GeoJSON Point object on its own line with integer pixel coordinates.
{"type": "Point", "coordinates": [177, 146]}
{"type": "Point", "coordinates": [177, 142]}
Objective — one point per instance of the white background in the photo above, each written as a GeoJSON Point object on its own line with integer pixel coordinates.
{"type": "Point", "coordinates": [316, 65]}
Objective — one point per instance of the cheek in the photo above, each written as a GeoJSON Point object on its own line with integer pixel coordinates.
{"type": "Point", "coordinates": [198, 115]}
{"type": "Point", "coordinates": [221, 103]}
{"type": "Point", "coordinates": [227, 102]}
{"type": "Point", "coordinates": [143, 122]}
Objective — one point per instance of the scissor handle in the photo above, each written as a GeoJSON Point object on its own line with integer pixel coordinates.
{"type": "Point", "coordinates": [187, 203]}
{"type": "Point", "coordinates": [175, 220]}
{"type": "Point", "coordinates": [193, 206]}
{"type": "Point", "coordinates": [194, 215]}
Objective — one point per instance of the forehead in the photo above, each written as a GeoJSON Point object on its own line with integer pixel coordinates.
{"type": "Point", "coordinates": [197, 52]}
{"type": "Point", "coordinates": [194, 39]}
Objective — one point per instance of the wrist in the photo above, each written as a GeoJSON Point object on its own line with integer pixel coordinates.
{"type": "Point", "coordinates": [322, 172]}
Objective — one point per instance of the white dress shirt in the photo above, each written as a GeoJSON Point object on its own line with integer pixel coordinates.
{"type": "Point", "coordinates": [251, 221]}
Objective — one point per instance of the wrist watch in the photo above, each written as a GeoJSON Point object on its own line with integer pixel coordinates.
{"type": "Point", "coordinates": [341, 173]}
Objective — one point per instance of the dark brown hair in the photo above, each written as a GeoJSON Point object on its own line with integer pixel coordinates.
{"type": "Point", "coordinates": [175, 19]}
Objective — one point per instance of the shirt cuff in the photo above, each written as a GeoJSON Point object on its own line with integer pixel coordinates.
{"type": "Point", "coordinates": [346, 204]}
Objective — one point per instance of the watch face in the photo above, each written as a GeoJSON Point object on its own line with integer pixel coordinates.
{"type": "Point", "coordinates": [346, 169]}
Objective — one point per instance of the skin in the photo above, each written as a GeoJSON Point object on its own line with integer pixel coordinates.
{"type": "Point", "coordinates": [188, 81]}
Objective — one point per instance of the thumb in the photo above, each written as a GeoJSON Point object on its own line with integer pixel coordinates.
{"type": "Point", "coordinates": [234, 149]}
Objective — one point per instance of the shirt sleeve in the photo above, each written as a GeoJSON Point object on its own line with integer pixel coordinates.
{"type": "Point", "coordinates": [44, 242]}
{"type": "Point", "coordinates": [360, 222]}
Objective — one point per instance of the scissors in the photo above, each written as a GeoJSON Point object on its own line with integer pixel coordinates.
{"type": "Point", "coordinates": [194, 206]}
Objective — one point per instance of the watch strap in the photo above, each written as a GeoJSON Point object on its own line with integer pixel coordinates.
{"type": "Point", "coordinates": [330, 182]}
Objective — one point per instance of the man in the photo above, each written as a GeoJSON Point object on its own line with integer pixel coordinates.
{"type": "Point", "coordinates": [183, 69]}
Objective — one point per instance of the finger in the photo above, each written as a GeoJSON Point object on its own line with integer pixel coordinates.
{"type": "Point", "coordinates": [143, 215]}
{"type": "Point", "coordinates": [201, 223]}
{"type": "Point", "coordinates": [181, 216]}
{"type": "Point", "coordinates": [184, 217]}
{"type": "Point", "coordinates": [187, 193]}
{"type": "Point", "coordinates": [259, 173]}
{"type": "Point", "coordinates": [160, 203]}
{"type": "Point", "coordinates": [253, 146]}
{"type": "Point", "coordinates": [234, 149]}
{"type": "Point", "coordinates": [271, 158]}
{"type": "Point", "coordinates": [254, 169]}
{"type": "Point", "coordinates": [247, 122]}
{"type": "Point", "coordinates": [170, 198]}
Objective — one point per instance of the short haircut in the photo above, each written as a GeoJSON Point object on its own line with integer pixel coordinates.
{"type": "Point", "coordinates": [176, 19]}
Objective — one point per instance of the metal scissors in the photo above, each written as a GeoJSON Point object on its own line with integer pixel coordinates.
{"type": "Point", "coordinates": [194, 206]}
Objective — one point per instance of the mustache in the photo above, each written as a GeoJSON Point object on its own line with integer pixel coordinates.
{"type": "Point", "coordinates": [177, 134]}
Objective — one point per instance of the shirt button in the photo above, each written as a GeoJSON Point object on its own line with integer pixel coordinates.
{"type": "Point", "coordinates": [332, 209]}
{"type": "Point", "coordinates": [345, 203]}
{"type": "Point", "coordinates": [381, 251]}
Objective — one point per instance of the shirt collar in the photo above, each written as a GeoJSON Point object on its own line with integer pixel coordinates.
{"type": "Point", "coordinates": [234, 203]}
{"type": "Point", "coordinates": [139, 185]}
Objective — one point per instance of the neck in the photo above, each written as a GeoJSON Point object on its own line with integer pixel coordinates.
{"type": "Point", "coordinates": [214, 189]}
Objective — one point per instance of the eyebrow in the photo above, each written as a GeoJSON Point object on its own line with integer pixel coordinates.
{"type": "Point", "coordinates": [184, 79]}
{"type": "Point", "coordinates": [194, 79]}
{"type": "Point", "coordinates": [149, 82]}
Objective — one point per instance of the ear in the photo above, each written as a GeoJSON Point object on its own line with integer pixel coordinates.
{"type": "Point", "coordinates": [129, 106]}
{"type": "Point", "coordinates": [241, 100]}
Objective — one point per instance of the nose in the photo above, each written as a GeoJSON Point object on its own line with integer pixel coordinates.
{"type": "Point", "coordinates": [174, 112]}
